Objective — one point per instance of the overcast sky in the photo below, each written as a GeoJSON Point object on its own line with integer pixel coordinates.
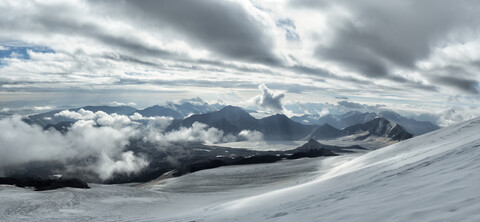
{"type": "Point", "coordinates": [418, 56]}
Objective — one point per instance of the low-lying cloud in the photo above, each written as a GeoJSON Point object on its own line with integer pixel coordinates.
{"type": "Point", "coordinates": [97, 142]}
{"type": "Point", "coordinates": [251, 135]}
{"type": "Point", "coordinates": [25, 143]}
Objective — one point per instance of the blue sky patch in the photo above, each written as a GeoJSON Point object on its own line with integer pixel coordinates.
{"type": "Point", "coordinates": [21, 52]}
{"type": "Point", "coordinates": [289, 27]}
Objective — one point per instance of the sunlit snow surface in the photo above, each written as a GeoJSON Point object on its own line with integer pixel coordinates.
{"type": "Point", "coordinates": [433, 177]}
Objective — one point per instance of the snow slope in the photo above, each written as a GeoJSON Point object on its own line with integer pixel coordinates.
{"type": "Point", "coordinates": [433, 177]}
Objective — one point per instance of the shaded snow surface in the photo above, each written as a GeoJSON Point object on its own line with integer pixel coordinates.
{"type": "Point", "coordinates": [433, 177]}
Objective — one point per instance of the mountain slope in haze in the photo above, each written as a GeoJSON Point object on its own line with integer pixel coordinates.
{"type": "Point", "coordinates": [432, 177]}
{"type": "Point", "coordinates": [180, 110]}
{"type": "Point", "coordinates": [280, 127]}
{"type": "Point", "coordinates": [378, 127]}
{"type": "Point", "coordinates": [177, 111]}
{"type": "Point", "coordinates": [326, 131]}
{"type": "Point", "coordinates": [157, 110]}
{"type": "Point", "coordinates": [413, 126]}
{"type": "Point", "coordinates": [49, 118]}
{"type": "Point", "coordinates": [337, 121]}
{"type": "Point", "coordinates": [193, 106]}
{"type": "Point", "coordinates": [232, 120]}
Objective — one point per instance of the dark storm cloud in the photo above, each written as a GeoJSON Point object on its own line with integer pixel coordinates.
{"type": "Point", "coordinates": [325, 74]}
{"type": "Point", "coordinates": [222, 26]}
{"type": "Point", "coordinates": [63, 21]}
{"type": "Point", "coordinates": [342, 97]}
{"type": "Point", "coordinates": [351, 105]}
{"type": "Point", "coordinates": [380, 35]}
{"type": "Point", "coordinates": [462, 84]}
{"type": "Point", "coordinates": [456, 77]}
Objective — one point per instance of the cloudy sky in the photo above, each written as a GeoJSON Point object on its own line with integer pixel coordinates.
{"type": "Point", "coordinates": [415, 56]}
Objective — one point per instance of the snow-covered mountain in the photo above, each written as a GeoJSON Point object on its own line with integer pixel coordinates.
{"type": "Point", "coordinates": [337, 121]}
{"type": "Point", "coordinates": [432, 177]}
{"type": "Point", "coordinates": [413, 126]}
{"type": "Point", "coordinates": [378, 127]}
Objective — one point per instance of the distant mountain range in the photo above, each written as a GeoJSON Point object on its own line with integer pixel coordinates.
{"type": "Point", "coordinates": [233, 120]}
{"type": "Point", "coordinates": [182, 110]}
{"type": "Point", "coordinates": [49, 118]}
{"type": "Point", "coordinates": [413, 126]}
{"type": "Point", "coordinates": [379, 127]}
{"type": "Point", "coordinates": [176, 111]}
{"type": "Point", "coordinates": [279, 127]}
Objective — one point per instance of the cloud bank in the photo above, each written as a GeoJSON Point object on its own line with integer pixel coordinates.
{"type": "Point", "coordinates": [97, 142]}
{"type": "Point", "coordinates": [104, 145]}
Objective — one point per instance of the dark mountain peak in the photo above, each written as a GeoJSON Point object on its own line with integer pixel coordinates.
{"type": "Point", "coordinates": [121, 110]}
{"type": "Point", "coordinates": [377, 124]}
{"type": "Point", "coordinates": [231, 108]}
{"type": "Point", "coordinates": [327, 126]}
{"type": "Point", "coordinates": [157, 110]}
{"type": "Point", "coordinates": [388, 113]}
{"type": "Point", "coordinates": [278, 117]}
{"type": "Point", "coordinates": [312, 142]}
{"type": "Point", "coordinates": [351, 113]}
{"type": "Point", "coordinates": [380, 127]}
{"type": "Point", "coordinates": [230, 119]}
{"type": "Point", "coordinates": [378, 120]}
{"type": "Point", "coordinates": [326, 131]}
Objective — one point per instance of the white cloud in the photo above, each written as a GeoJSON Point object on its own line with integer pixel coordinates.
{"type": "Point", "coordinates": [42, 108]}
{"type": "Point", "coordinates": [270, 99]}
{"type": "Point", "coordinates": [199, 132]}
{"type": "Point", "coordinates": [457, 114]}
{"type": "Point", "coordinates": [24, 143]}
{"type": "Point", "coordinates": [100, 117]}
{"type": "Point", "coordinates": [100, 50]}
{"type": "Point", "coordinates": [251, 135]}
{"type": "Point", "coordinates": [128, 163]}
{"type": "Point", "coordinates": [323, 112]}
{"type": "Point", "coordinates": [80, 114]}
{"type": "Point", "coordinates": [115, 103]}
{"type": "Point", "coordinates": [98, 137]}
